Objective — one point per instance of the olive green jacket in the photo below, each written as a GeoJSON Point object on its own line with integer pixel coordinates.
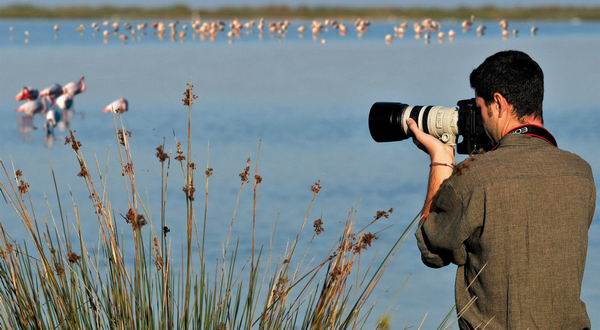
{"type": "Point", "coordinates": [515, 220]}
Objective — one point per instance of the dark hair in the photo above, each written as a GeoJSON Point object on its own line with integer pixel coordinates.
{"type": "Point", "coordinates": [516, 76]}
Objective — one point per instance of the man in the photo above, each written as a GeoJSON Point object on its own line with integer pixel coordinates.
{"type": "Point", "coordinates": [515, 219]}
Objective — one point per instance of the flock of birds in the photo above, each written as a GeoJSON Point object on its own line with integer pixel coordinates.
{"type": "Point", "coordinates": [55, 105]}
{"type": "Point", "coordinates": [428, 27]}
{"type": "Point", "coordinates": [199, 29]}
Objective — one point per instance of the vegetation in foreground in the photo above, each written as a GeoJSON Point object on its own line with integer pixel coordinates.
{"type": "Point", "coordinates": [302, 12]}
{"type": "Point", "coordinates": [53, 280]}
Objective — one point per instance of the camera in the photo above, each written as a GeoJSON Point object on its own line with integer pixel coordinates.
{"type": "Point", "coordinates": [387, 123]}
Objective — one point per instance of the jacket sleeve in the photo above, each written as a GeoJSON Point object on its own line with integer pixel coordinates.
{"type": "Point", "coordinates": [441, 237]}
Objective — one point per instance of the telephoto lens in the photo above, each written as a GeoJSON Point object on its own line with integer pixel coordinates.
{"type": "Point", "coordinates": [387, 121]}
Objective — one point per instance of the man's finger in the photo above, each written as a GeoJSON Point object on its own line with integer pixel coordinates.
{"type": "Point", "coordinates": [413, 127]}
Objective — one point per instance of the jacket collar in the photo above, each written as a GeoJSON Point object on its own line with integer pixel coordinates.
{"type": "Point", "coordinates": [510, 140]}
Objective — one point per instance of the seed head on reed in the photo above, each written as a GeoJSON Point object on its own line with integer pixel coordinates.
{"type": "Point", "coordinates": [122, 134]}
{"type": "Point", "coordinates": [315, 188]}
{"type": "Point", "coordinates": [161, 154]}
{"type": "Point", "coordinates": [208, 172]}
{"type": "Point", "coordinates": [180, 157]}
{"type": "Point", "coordinates": [189, 191]}
{"type": "Point", "coordinates": [383, 214]}
{"type": "Point", "coordinates": [318, 226]}
{"type": "Point", "coordinates": [245, 174]}
{"type": "Point", "coordinates": [258, 179]}
{"type": "Point", "coordinates": [23, 187]}
{"type": "Point", "coordinates": [188, 95]}
{"type": "Point", "coordinates": [127, 169]}
{"type": "Point", "coordinates": [364, 241]}
{"type": "Point", "coordinates": [70, 139]}
{"type": "Point", "coordinates": [18, 174]}
{"type": "Point", "coordinates": [73, 257]}
{"type": "Point", "coordinates": [83, 172]}
{"type": "Point", "coordinates": [136, 220]}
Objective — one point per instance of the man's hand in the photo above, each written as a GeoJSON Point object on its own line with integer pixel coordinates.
{"type": "Point", "coordinates": [437, 150]}
{"type": "Point", "coordinates": [439, 153]}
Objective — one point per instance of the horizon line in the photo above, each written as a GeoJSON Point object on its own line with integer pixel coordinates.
{"type": "Point", "coordinates": [539, 12]}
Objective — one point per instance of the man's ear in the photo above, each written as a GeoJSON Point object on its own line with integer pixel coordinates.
{"type": "Point", "coordinates": [502, 104]}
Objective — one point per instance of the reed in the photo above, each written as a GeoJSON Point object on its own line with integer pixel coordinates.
{"type": "Point", "coordinates": [53, 280]}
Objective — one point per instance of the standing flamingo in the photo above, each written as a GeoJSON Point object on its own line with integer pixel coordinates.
{"type": "Point", "coordinates": [53, 118]}
{"type": "Point", "coordinates": [64, 103]}
{"type": "Point", "coordinates": [33, 107]}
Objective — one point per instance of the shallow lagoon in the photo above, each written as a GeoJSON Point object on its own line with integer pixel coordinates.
{"type": "Point", "coordinates": [308, 103]}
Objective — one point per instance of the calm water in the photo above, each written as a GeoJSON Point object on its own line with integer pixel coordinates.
{"type": "Point", "coordinates": [308, 103]}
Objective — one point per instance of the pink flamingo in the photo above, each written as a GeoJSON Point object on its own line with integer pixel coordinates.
{"type": "Point", "coordinates": [54, 90]}
{"type": "Point", "coordinates": [36, 106]}
{"type": "Point", "coordinates": [119, 105]}
{"type": "Point", "coordinates": [75, 87]}
{"type": "Point", "coordinates": [65, 101]}
{"type": "Point", "coordinates": [27, 93]}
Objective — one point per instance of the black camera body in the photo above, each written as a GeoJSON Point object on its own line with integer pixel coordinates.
{"type": "Point", "coordinates": [387, 123]}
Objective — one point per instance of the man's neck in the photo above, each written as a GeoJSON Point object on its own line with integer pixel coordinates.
{"type": "Point", "coordinates": [516, 122]}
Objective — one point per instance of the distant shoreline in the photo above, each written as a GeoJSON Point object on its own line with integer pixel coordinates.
{"type": "Point", "coordinates": [538, 13]}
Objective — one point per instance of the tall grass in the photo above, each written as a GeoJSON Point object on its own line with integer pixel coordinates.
{"type": "Point", "coordinates": [53, 280]}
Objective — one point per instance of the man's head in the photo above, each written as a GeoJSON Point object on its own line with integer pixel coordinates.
{"type": "Point", "coordinates": [509, 86]}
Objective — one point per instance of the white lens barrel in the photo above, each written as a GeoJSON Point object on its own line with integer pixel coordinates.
{"type": "Point", "coordinates": [439, 121]}
{"type": "Point", "coordinates": [442, 123]}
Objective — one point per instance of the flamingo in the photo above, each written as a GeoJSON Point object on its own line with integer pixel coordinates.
{"type": "Point", "coordinates": [451, 35]}
{"type": "Point", "coordinates": [480, 30]}
{"type": "Point", "coordinates": [53, 117]}
{"type": "Point", "coordinates": [54, 91]}
{"type": "Point", "coordinates": [65, 101]}
{"type": "Point", "coordinates": [388, 39]}
{"type": "Point", "coordinates": [27, 93]}
{"type": "Point", "coordinates": [343, 30]}
{"type": "Point", "coordinates": [75, 87]}
{"type": "Point", "coordinates": [64, 113]}
{"type": "Point", "coordinates": [119, 105]}
{"type": "Point", "coordinates": [32, 107]}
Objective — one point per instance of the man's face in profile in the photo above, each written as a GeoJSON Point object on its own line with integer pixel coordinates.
{"type": "Point", "coordinates": [487, 115]}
